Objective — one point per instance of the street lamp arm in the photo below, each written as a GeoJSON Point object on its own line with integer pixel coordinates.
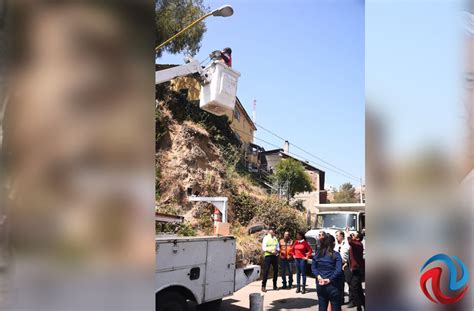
{"type": "Point", "coordinates": [183, 30]}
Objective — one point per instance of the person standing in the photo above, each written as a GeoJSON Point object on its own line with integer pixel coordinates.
{"type": "Point", "coordinates": [301, 252]}
{"type": "Point", "coordinates": [286, 259]}
{"type": "Point", "coordinates": [270, 248]}
{"type": "Point", "coordinates": [342, 247]}
{"type": "Point", "coordinates": [357, 265]}
{"type": "Point", "coordinates": [327, 267]}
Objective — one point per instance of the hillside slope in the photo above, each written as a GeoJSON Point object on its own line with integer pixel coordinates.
{"type": "Point", "coordinates": [199, 151]}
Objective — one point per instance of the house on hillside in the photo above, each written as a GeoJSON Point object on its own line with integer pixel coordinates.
{"type": "Point", "coordinates": [318, 195]}
{"type": "Point", "coordinates": [240, 121]}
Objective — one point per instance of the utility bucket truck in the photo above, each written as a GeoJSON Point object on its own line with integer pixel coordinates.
{"type": "Point", "coordinates": [200, 270]}
{"type": "Point", "coordinates": [218, 83]}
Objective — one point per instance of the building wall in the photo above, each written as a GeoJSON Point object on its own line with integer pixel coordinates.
{"type": "Point", "coordinates": [187, 83]}
{"type": "Point", "coordinates": [310, 199]}
{"type": "Point", "coordinates": [274, 158]}
{"type": "Point", "coordinates": [314, 179]}
{"type": "Point", "coordinates": [241, 125]}
{"type": "Point", "coordinates": [254, 159]}
{"type": "Point", "coordinates": [272, 161]}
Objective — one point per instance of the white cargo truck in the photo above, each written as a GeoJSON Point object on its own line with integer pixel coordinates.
{"type": "Point", "coordinates": [337, 216]}
{"type": "Point", "coordinates": [200, 270]}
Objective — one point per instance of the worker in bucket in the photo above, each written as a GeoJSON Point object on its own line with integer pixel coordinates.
{"type": "Point", "coordinates": [224, 56]}
{"type": "Point", "coordinates": [227, 56]}
{"type": "Point", "coordinates": [271, 248]}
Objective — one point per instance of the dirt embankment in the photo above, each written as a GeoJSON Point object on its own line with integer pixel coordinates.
{"type": "Point", "coordinates": [198, 151]}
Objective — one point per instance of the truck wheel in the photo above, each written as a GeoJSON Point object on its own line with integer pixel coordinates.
{"type": "Point", "coordinates": [214, 305]}
{"type": "Point", "coordinates": [171, 301]}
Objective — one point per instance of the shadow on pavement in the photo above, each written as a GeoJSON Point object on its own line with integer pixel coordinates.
{"type": "Point", "coordinates": [294, 303]}
{"type": "Point", "coordinates": [227, 305]}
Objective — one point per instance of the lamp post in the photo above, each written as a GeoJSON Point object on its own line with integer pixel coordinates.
{"type": "Point", "coordinates": [224, 11]}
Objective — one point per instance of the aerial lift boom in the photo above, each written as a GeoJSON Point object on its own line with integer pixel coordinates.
{"type": "Point", "coordinates": [192, 66]}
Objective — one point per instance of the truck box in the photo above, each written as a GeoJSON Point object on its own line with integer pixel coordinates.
{"type": "Point", "coordinates": [204, 266]}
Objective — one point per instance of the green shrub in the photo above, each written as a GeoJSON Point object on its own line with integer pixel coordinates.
{"type": "Point", "coordinates": [244, 208]}
{"type": "Point", "coordinates": [186, 229]}
{"type": "Point", "coordinates": [278, 215]}
{"type": "Point", "coordinates": [203, 215]}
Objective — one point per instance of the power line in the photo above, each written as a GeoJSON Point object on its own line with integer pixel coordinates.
{"type": "Point", "coordinates": [316, 157]}
{"type": "Point", "coordinates": [303, 158]}
{"type": "Point", "coordinates": [310, 154]}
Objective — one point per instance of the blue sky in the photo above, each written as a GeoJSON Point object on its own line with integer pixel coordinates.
{"type": "Point", "coordinates": [415, 57]}
{"type": "Point", "coordinates": [303, 61]}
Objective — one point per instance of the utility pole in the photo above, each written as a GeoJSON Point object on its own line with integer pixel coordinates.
{"type": "Point", "coordinates": [254, 111]}
{"type": "Point", "coordinates": [361, 194]}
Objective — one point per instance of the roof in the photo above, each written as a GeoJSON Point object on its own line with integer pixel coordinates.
{"type": "Point", "coordinates": [284, 154]}
{"type": "Point", "coordinates": [307, 166]}
{"type": "Point", "coordinates": [172, 239]}
{"type": "Point", "coordinates": [341, 207]}
{"type": "Point", "coordinates": [260, 148]}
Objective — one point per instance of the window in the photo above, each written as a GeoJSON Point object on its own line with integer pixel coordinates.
{"type": "Point", "coordinates": [237, 114]}
{"type": "Point", "coordinates": [337, 221]}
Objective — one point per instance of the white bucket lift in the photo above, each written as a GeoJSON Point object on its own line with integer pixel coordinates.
{"type": "Point", "coordinates": [218, 94]}
{"type": "Point", "coordinates": [218, 84]}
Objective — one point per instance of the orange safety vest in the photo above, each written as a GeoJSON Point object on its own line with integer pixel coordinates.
{"type": "Point", "coordinates": [286, 251]}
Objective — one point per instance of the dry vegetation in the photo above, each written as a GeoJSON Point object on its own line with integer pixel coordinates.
{"type": "Point", "coordinates": [199, 151]}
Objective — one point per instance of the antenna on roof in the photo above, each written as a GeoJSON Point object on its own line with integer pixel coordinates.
{"type": "Point", "coordinates": [254, 111]}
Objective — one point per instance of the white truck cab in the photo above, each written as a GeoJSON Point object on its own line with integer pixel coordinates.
{"type": "Point", "coordinates": [333, 217]}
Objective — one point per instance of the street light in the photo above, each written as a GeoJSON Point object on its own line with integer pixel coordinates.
{"type": "Point", "coordinates": [224, 11]}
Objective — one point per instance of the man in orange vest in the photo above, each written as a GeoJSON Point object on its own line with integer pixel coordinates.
{"type": "Point", "coordinates": [286, 259]}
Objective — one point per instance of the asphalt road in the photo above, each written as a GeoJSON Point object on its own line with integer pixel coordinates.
{"type": "Point", "coordinates": [275, 300]}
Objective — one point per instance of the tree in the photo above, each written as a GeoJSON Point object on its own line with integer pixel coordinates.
{"type": "Point", "coordinates": [278, 215]}
{"type": "Point", "coordinates": [346, 194]}
{"type": "Point", "coordinates": [293, 173]}
{"type": "Point", "coordinates": [174, 15]}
